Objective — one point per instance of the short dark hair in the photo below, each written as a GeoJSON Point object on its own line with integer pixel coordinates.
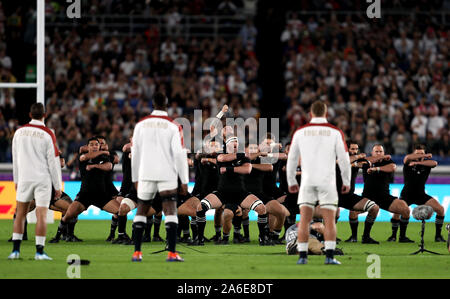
{"type": "Point", "coordinates": [378, 144]}
{"type": "Point", "coordinates": [350, 142]}
{"type": "Point", "coordinates": [37, 111]}
{"type": "Point", "coordinates": [318, 108]}
{"type": "Point", "coordinates": [420, 146]}
{"type": "Point", "coordinates": [99, 137]}
{"type": "Point", "coordinates": [92, 139]}
{"type": "Point", "coordinates": [160, 100]}
{"type": "Point", "coordinates": [270, 136]}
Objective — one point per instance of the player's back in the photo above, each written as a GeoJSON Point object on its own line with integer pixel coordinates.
{"type": "Point", "coordinates": [157, 143]}
{"type": "Point", "coordinates": [317, 144]}
{"type": "Point", "coordinates": [33, 146]}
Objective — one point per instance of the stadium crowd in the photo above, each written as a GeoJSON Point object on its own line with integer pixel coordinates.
{"type": "Point", "coordinates": [389, 85]}
{"type": "Point", "coordinates": [395, 92]}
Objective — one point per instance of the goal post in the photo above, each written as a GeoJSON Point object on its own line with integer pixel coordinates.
{"type": "Point", "coordinates": [40, 57]}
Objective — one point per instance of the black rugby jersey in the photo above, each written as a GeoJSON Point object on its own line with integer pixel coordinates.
{"type": "Point", "coordinates": [377, 182]}
{"type": "Point", "coordinates": [232, 182]}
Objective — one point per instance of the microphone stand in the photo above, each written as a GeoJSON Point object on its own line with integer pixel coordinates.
{"type": "Point", "coordinates": [422, 249]}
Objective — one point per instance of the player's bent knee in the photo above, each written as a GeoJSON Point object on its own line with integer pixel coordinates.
{"type": "Point", "coordinates": [126, 202]}
{"type": "Point", "coordinates": [228, 214]}
{"type": "Point", "coordinates": [205, 205]}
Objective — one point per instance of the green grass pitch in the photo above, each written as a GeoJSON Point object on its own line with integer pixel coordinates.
{"type": "Point", "coordinates": [248, 261]}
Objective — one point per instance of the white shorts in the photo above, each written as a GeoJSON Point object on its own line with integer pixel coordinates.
{"type": "Point", "coordinates": [148, 189]}
{"type": "Point", "coordinates": [326, 196]}
{"type": "Point", "coordinates": [41, 192]}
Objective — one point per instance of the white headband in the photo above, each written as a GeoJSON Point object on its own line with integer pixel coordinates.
{"type": "Point", "coordinates": [231, 139]}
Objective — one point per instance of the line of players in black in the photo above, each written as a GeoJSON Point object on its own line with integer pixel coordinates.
{"type": "Point", "coordinates": [234, 183]}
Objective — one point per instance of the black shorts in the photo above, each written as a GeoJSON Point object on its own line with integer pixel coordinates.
{"type": "Point", "coordinates": [157, 201]}
{"type": "Point", "coordinates": [64, 196]}
{"type": "Point", "coordinates": [181, 199]}
{"type": "Point", "coordinates": [263, 197]}
{"type": "Point", "coordinates": [132, 195]}
{"type": "Point", "coordinates": [291, 204]}
{"type": "Point", "coordinates": [231, 197]}
{"type": "Point", "coordinates": [275, 192]}
{"type": "Point", "coordinates": [419, 199]}
{"type": "Point", "coordinates": [95, 199]}
{"type": "Point", "coordinates": [112, 191]}
{"type": "Point", "coordinates": [384, 201]}
{"type": "Point", "coordinates": [232, 206]}
{"type": "Point", "coordinates": [348, 201]}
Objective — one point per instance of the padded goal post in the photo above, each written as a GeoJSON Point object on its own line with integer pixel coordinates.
{"type": "Point", "coordinates": [40, 63]}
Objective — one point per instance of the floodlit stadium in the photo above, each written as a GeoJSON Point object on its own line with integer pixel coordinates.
{"type": "Point", "coordinates": [239, 82]}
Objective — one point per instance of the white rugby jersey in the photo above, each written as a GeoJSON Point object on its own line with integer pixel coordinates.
{"type": "Point", "coordinates": [35, 155]}
{"type": "Point", "coordinates": [318, 144]}
{"type": "Point", "coordinates": [157, 152]}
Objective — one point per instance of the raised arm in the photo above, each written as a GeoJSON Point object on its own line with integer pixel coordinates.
{"type": "Point", "coordinates": [427, 163]}
{"type": "Point", "coordinates": [104, 166]}
{"type": "Point", "coordinates": [263, 167]}
{"type": "Point", "coordinates": [245, 168]}
{"type": "Point", "coordinates": [413, 157]}
{"type": "Point", "coordinates": [89, 156]}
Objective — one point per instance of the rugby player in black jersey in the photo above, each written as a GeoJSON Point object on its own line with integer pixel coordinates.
{"type": "Point", "coordinates": [290, 201]}
{"type": "Point", "coordinates": [94, 190]}
{"type": "Point", "coordinates": [113, 192]}
{"type": "Point", "coordinates": [416, 169]}
{"type": "Point", "coordinates": [378, 174]}
{"type": "Point", "coordinates": [354, 202]}
{"type": "Point", "coordinates": [254, 183]}
{"type": "Point", "coordinates": [231, 192]}
{"type": "Point", "coordinates": [127, 197]}
{"type": "Point", "coordinates": [206, 179]}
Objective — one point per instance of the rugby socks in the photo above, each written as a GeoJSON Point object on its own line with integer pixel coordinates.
{"type": "Point", "coordinates": [16, 239]}
{"type": "Point", "coordinates": [122, 225]}
{"type": "Point", "coordinates": [157, 223]}
{"type": "Point", "coordinates": [148, 227]}
{"type": "Point", "coordinates": [302, 248]}
{"type": "Point", "coordinates": [226, 237]}
{"type": "Point", "coordinates": [237, 221]}
{"type": "Point", "coordinates": [183, 226]}
{"type": "Point", "coordinates": [262, 225]}
{"type": "Point", "coordinates": [218, 229]}
{"type": "Point", "coordinates": [245, 226]}
{"type": "Point", "coordinates": [201, 219]}
{"type": "Point", "coordinates": [354, 226]}
{"type": "Point", "coordinates": [276, 234]}
{"type": "Point", "coordinates": [367, 226]}
{"type": "Point", "coordinates": [194, 228]}
{"type": "Point", "coordinates": [403, 226]}
{"type": "Point", "coordinates": [71, 226]}
{"type": "Point", "coordinates": [330, 246]}
{"type": "Point", "coordinates": [40, 243]}
{"type": "Point", "coordinates": [439, 222]}
{"type": "Point", "coordinates": [201, 224]}
{"type": "Point", "coordinates": [395, 224]}
{"type": "Point", "coordinates": [139, 224]}
{"type": "Point", "coordinates": [114, 223]}
{"type": "Point", "coordinates": [171, 223]}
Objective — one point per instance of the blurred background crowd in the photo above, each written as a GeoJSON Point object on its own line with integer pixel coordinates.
{"type": "Point", "coordinates": [385, 82]}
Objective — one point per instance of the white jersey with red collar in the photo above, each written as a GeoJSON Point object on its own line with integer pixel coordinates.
{"type": "Point", "coordinates": [318, 145]}
{"type": "Point", "coordinates": [35, 155]}
{"type": "Point", "coordinates": [157, 152]}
